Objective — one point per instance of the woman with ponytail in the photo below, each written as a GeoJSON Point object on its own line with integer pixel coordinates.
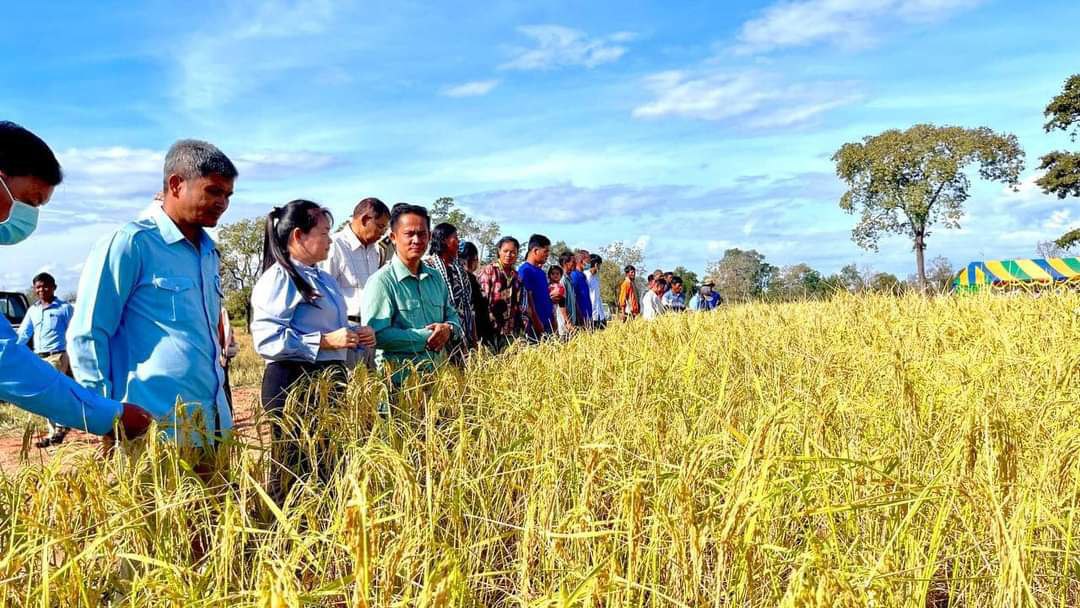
{"type": "Point", "coordinates": [301, 328]}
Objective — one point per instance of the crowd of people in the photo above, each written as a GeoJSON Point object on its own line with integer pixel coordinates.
{"type": "Point", "coordinates": [388, 291]}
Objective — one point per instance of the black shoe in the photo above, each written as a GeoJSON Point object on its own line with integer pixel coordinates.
{"type": "Point", "coordinates": [50, 440]}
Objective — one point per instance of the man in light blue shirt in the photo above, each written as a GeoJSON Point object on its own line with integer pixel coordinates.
{"type": "Point", "coordinates": [47, 320]}
{"type": "Point", "coordinates": [149, 301]}
{"type": "Point", "coordinates": [675, 299]}
{"type": "Point", "coordinates": [28, 174]}
{"type": "Point", "coordinates": [46, 323]}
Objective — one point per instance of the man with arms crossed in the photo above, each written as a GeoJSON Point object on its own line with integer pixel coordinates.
{"type": "Point", "coordinates": [407, 303]}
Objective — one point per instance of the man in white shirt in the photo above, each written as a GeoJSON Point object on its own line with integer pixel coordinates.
{"type": "Point", "coordinates": [599, 317]}
{"type": "Point", "coordinates": [651, 305]}
{"type": "Point", "coordinates": [356, 252]}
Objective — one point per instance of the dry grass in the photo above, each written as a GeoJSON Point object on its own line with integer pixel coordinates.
{"type": "Point", "coordinates": [867, 451]}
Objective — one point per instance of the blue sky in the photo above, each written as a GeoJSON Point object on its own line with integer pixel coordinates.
{"type": "Point", "coordinates": [684, 127]}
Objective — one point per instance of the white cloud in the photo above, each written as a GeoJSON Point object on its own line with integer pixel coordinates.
{"type": "Point", "coordinates": [475, 88]}
{"type": "Point", "coordinates": [1061, 219]}
{"type": "Point", "coordinates": [559, 46]}
{"type": "Point", "coordinates": [715, 246]}
{"type": "Point", "coordinates": [748, 227]}
{"type": "Point", "coordinates": [252, 42]}
{"type": "Point", "coordinates": [848, 23]}
{"type": "Point", "coordinates": [642, 242]}
{"type": "Point", "coordinates": [764, 100]}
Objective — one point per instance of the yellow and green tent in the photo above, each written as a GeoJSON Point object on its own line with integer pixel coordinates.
{"type": "Point", "coordinates": [1000, 273]}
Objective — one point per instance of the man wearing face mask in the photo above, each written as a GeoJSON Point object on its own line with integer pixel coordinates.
{"type": "Point", "coordinates": [29, 172]}
{"type": "Point", "coordinates": [146, 325]}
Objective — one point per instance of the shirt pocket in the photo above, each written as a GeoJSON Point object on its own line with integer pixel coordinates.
{"type": "Point", "coordinates": [171, 294]}
{"type": "Point", "coordinates": [412, 314]}
{"type": "Point", "coordinates": [50, 321]}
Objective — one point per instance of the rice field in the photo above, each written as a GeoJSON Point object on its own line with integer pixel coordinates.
{"type": "Point", "coordinates": [865, 451]}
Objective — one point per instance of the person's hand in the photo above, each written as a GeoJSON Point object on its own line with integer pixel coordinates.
{"type": "Point", "coordinates": [340, 339]}
{"type": "Point", "coordinates": [366, 336]}
{"type": "Point", "coordinates": [440, 335]}
{"type": "Point", "coordinates": [132, 423]}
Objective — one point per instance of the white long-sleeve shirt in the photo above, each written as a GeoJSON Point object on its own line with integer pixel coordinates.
{"type": "Point", "coordinates": [594, 296]}
{"type": "Point", "coordinates": [351, 263]}
{"type": "Point", "coordinates": [651, 306]}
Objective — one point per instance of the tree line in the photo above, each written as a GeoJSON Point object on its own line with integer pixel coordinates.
{"type": "Point", "coordinates": [898, 182]}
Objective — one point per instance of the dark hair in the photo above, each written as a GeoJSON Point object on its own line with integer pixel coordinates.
{"type": "Point", "coordinates": [192, 158]}
{"type": "Point", "coordinates": [595, 260]}
{"type": "Point", "coordinates": [371, 206]}
{"type": "Point", "coordinates": [660, 281]}
{"type": "Point", "coordinates": [676, 280]}
{"type": "Point", "coordinates": [45, 278]}
{"type": "Point", "coordinates": [439, 236]}
{"type": "Point", "coordinates": [280, 224]}
{"type": "Point", "coordinates": [469, 251]}
{"type": "Point", "coordinates": [565, 257]}
{"type": "Point", "coordinates": [24, 154]}
{"type": "Point", "coordinates": [538, 241]}
{"type": "Point", "coordinates": [628, 269]}
{"type": "Point", "coordinates": [508, 239]}
{"type": "Point", "coordinates": [554, 268]}
{"type": "Point", "coordinates": [401, 209]}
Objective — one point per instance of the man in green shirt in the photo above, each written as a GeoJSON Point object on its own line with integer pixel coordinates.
{"type": "Point", "coordinates": [407, 303]}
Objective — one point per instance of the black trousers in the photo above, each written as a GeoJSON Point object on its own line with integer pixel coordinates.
{"type": "Point", "coordinates": [296, 453]}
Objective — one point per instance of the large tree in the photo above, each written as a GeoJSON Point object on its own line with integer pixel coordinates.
{"type": "Point", "coordinates": [617, 256]}
{"type": "Point", "coordinates": [905, 182]}
{"type": "Point", "coordinates": [1069, 240]}
{"type": "Point", "coordinates": [741, 275]}
{"type": "Point", "coordinates": [482, 234]}
{"type": "Point", "coordinates": [798, 282]}
{"type": "Point", "coordinates": [851, 279]}
{"type": "Point", "coordinates": [689, 277]}
{"type": "Point", "coordinates": [241, 246]}
{"type": "Point", "coordinates": [1062, 177]}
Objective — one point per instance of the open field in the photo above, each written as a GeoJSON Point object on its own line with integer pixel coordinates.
{"type": "Point", "coordinates": [868, 451]}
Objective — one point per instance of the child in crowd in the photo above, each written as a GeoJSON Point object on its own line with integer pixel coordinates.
{"type": "Point", "coordinates": [558, 298]}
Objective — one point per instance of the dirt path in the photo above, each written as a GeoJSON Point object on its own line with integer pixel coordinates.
{"type": "Point", "coordinates": [16, 449]}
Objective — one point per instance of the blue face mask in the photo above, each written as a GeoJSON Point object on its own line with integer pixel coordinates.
{"type": "Point", "coordinates": [21, 222]}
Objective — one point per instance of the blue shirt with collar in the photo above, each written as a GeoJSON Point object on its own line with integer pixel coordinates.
{"type": "Point", "coordinates": [35, 386]}
{"type": "Point", "coordinates": [581, 295]}
{"type": "Point", "coordinates": [285, 326]}
{"type": "Point", "coordinates": [535, 281]}
{"type": "Point", "coordinates": [145, 331]}
{"type": "Point", "coordinates": [47, 324]}
{"type": "Point", "coordinates": [674, 301]}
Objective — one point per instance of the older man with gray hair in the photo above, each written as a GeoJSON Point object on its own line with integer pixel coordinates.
{"type": "Point", "coordinates": [146, 326]}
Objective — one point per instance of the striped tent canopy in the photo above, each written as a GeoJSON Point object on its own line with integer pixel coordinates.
{"type": "Point", "coordinates": [1006, 272]}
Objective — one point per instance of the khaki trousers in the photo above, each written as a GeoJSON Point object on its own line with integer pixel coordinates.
{"type": "Point", "coordinates": [63, 365]}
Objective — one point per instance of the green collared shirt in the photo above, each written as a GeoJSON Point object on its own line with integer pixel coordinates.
{"type": "Point", "coordinates": [399, 306]}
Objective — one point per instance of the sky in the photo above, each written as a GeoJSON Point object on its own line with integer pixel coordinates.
{"type": "Point", "coordinates": [684, 127]}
